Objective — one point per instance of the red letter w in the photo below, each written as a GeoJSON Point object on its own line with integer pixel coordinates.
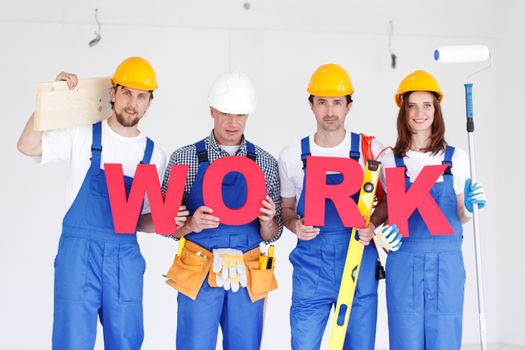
{"type": "Point", "coordinates": [163, 210]}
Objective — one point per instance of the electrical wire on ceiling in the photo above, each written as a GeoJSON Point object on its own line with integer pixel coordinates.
{"type": "Point", "coordinates": [393, 57]}
{"type": "Point", "coordinates": [97, 37]}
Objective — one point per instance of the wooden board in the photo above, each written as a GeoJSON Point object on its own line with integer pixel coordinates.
{"type": "Point", "coordinates": [58, 107]}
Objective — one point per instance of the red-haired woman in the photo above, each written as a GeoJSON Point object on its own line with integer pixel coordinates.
{"type": "Point", "coordinates": [426, 276]}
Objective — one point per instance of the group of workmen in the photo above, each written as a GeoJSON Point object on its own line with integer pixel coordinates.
{"type": "Point", "coordinates": [217, 270]}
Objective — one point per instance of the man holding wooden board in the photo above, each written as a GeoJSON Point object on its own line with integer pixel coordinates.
{"type": "Point", "coordinates": [97, 271]}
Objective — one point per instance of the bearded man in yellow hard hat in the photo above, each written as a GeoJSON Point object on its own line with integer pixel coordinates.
{"type": "Point", "coordinates": [99, 273]}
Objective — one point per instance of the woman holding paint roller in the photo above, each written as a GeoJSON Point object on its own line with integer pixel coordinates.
{"type": "Point", "coordinates": [426, 277]}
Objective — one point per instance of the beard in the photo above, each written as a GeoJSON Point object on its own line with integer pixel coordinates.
{"type": "Point", "coordinates": [127, 123]}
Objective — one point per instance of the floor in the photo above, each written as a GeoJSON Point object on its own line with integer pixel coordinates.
{"type": "Point", "coordinates": [494, 347]}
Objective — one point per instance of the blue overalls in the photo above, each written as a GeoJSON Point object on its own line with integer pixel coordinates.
{"type": "Point", "coordinates": [318, 266]}
{"type": "Point", "coordinates": [98, 273]}
{"type": "Point", "coordinates": [240, 320]}
{"type": "Point", "coordinates": [425, 278]}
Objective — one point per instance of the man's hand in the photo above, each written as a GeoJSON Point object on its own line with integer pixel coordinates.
{"type": "Point", "coordinates": [70, 78]}
{"type": "Point", "coordinates": [30, 142]}
{"type": "Point", "coordinates": [267, 211]}
{"type": "Point", "coordinates": [303, 232]}
{"type": "Point", "coordinates": [181, 217]}
{"type": "Point", "coordinates": [366, 234]}
{"type": "Point", "coordinates": [202, 219]}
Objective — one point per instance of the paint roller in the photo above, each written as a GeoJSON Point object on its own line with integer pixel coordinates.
{"type": "Point", "coordinates": [464, 54]}
{"type": "Point", "coordinates": [460, 54]}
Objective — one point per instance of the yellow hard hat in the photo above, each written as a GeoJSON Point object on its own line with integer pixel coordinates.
{"type": "Point", "coordinates": [330, 80]}
{"type": "Point", "coordinates": [136, 73]}
{"type": "Point", "coordinates": [418, 80]}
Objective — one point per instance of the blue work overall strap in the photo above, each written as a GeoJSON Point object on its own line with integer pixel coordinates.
{"type": "Point", "coordinates": [96, 145]}
{"type": "Point", "coordinates": [449, 152]}
{"type": "Point", "coordinates": [250, 151]}
{"type": "Point", "coordinates": [202, 152]}
{"type": "Point", "coordinates": [354, 147]}
{"type": "Point", "coordinates": [354, 153]}
{"type": "Point", "coordinates": [148, 152]}
{"type": "Point", "coordinates": [401, 163]}
{"type": "Point", "coordinates": [305, 150]}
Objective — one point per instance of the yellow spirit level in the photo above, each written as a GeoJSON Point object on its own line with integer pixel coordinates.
{"type": "Point", "coordinates": [353, 259]}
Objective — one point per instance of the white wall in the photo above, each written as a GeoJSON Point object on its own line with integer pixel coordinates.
{"type": "Point", "coordinates": [509, 128]}
{"type": "Point", "coordinates": [278, 44]}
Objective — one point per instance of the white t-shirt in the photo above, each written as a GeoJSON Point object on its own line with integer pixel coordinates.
{"type": "Point", "coordinates": [73, 145]}
{"type": "Point", "coordinates": [415, 161]}
{"type": "Point", "coordinates": [231, 150]}
{"type": "Point", "coordinates": [291, 166]}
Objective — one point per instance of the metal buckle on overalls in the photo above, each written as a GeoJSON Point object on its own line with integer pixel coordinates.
{"type": "Point", "coordinates": [406, 171]}
{"type": "Point", "coordinates": [303, 159]}
{"type": "Point", "coordinates": [355, 155]}
{"type": "Point", "coordinates": [202, 157]}
{"type": "Point", "coordinates": [95, 149]}
{"type": "Point", "coordinates": [448, 170]}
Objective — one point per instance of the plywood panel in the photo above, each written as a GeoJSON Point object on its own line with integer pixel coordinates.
{"type": "Point", "coordinates": [59, 107]}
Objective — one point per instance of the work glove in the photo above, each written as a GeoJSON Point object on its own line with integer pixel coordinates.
{"type": "Point", "coordinates": [473, 194]}
{"type": "Point", "coordinates": [228, 265]}
{"type": "Point", "coordinates": [388, 238]}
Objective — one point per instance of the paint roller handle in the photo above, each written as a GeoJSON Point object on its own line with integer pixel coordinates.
{"type": "Point", "coordinates": [470, 112]}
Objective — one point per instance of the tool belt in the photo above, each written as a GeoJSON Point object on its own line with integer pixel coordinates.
{"type": "Point", "coordinates": [194, 263]}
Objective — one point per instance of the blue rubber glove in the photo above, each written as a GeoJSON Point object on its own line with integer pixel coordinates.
{"type": "Point", "coordinates": [473, 194]}
{"type": "Point", "coordinates": [389, 238]}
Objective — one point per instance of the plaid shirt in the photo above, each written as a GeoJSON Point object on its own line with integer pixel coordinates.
{"type": "Point", "coordinates": [187, 155]}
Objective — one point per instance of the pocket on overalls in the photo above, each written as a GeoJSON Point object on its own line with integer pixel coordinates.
{"type": "Point", "coordinates": [98, 214]}
{"type": "Point", "coordinates": [187, 273]}
{"type": "Point", "coordinates": [260, 282]}
{"type": "Point", "coordinates": [98, 185]}
{"type": "Point", "coordinates": [71, 268]}
{"type": "Point", "coordinates": [131, 273]}
{"type": "Point", "coordinates": [306, 269]}
{"type": "Point", "coordinates": [367, 283]}
{"type": "Point", "coordinates": [400, 282]}
{"type": "Point", "coordinates": [451, 282]}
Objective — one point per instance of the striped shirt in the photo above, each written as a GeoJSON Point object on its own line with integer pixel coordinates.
{"type": "Point", "coordinates": [187, 155]}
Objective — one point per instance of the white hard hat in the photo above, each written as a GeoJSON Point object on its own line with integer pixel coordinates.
{"type": "Point", "coordinates": [232, 93]}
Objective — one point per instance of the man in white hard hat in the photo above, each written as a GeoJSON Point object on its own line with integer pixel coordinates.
{"type": "Point", "coordinates": [205, 303]}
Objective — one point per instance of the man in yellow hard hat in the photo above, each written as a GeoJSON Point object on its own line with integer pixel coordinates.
{"type": "Point", "coordinates": [99, 273]}
{"type": "Point", "coordinates": [319, 257]}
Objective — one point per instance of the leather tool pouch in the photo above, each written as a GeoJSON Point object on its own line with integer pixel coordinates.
{"type": "Point", "coordinates": [260, 282]}
{"type": "Point", "coordinates": [189, 270]}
